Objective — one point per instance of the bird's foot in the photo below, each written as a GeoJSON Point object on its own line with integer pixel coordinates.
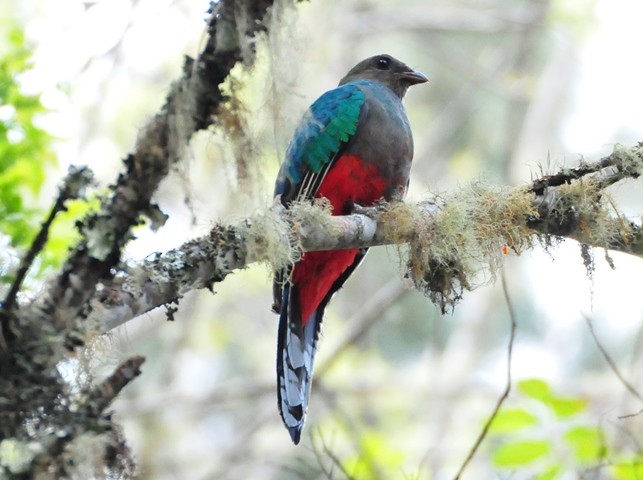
{"type": "Point", "coordinates": [371, 210]}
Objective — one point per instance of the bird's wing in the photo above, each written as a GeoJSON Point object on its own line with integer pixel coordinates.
{"type": "Point", "coordinates": [323, 133]}
{"type": "Point", "coordinates": [328, 125]}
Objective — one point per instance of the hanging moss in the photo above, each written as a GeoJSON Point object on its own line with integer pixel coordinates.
{"type": "Point", "coordinates": [463, 244]}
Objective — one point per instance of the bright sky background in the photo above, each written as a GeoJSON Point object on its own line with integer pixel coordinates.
{"type": "Point", "coordinates": [608, 95]}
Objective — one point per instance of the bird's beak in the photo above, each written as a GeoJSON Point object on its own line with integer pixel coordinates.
{"type": "Point", "coordinates": [413, 77]}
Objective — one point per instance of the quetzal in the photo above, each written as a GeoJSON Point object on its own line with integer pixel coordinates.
{"type": "Point", "coordinates": [353, 147]}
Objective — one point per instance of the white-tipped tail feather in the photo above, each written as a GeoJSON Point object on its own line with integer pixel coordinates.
{"type": "Point", "coordinates": [295, 356]}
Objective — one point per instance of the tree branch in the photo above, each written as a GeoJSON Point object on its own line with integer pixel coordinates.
{"type": "Point", "coordinates": [625, 163]}
{"type": "Point", "coordinates": [92, 410]}
{"type": "Point", "coordinates": [46, 330]}
{"type": "Point", "coordinates": [473, 224]}
{"type": "Point", "coordinates": [190, 106]}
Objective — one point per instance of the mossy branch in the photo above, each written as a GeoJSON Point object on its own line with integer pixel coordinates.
{"type": "Point", "coordinates": [451, 240]}
{"type": "Point", "coordinates": [37, 404]}
{"type": "Point", "coordinates": [191, 105]}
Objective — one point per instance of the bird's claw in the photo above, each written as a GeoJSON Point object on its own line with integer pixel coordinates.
{"type": "Point", "coordinates": [370, 210]}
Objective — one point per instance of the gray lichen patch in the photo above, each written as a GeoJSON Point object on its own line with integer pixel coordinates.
{"type": "Point", "coordinates": [585, 211]}
{"type": "Point", "coordinates": [271, 236]}
{"type": "Point", "coordinates": [16, 455]}
{"type": "Point", "coordinates": [630, 159]}
{"type": "Point", "coordinates": [462, 246]}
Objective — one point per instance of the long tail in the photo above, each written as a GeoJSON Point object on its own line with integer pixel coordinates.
{"type": "Point", "coordinates": [296, 346]}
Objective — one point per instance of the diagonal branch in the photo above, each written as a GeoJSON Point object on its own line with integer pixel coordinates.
{"type": "Point", "coordinates": [474, 223]}
{"type": "Point", "coordinates": [625, 163]}
{"type": "Point", "coordinates": [610, 361]}
{"type": "Point", "coordinates": [190, 106]}
{"type": "Point", "coordinates": [44, 331]}
{"type": "Point", "coordinates": [104, 394]}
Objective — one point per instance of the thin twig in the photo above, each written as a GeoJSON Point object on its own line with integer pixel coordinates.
{"type": "Point", "coordinates": [36, 246]}
{"type": "Point", "coordinates": [73, 185]}
{"type": "Point", "coordinates": [318, 455]}
{"type": "Point", "coordinates": [320, 461]}
{"type": "Point", "coordinates": [610, 361]}
{"type": "Point", "coordinates": [565, 176]}
{"type": "Point", "coordinates": [505, 393]}
{"type": "Point", "coordinates": [333, 457]}
{"type": "Point", "coordinates": [631, 415]}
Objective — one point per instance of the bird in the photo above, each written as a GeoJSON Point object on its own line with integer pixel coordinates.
{"type": "Point", "coordinates": [354, 148]}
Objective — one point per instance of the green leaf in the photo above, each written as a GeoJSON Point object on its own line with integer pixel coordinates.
{"type": "Point", "coordinates": [586, 442]}
{"type": "Point", "coordinates": [520, 453]}
{"type": "Point", "coordinates": [24, 147]}
{"type": "Point", "coordinates": [563, 407]}
{"type": "Point", "coordinates": [376, 455]}
{"type": "Point", "coordinates": [628, 470]}
{"type": "Point", "coordinates": [511, 420]}
{"type": "Point", "coordinates": [566, 407]}
{"type": "Point", "coordinates": [536, 388]}
{"type": "Point", "coordinates": [551, 473]}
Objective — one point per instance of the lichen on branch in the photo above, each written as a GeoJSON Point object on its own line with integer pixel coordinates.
{"type": "Point", "coordinates": [449, 244]}
{"type": "Point", "coordinates": [467, 239]}
{"type": "Point", "coordinates": [40, 410]}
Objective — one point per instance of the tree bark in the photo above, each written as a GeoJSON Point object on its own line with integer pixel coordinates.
{"type": "Point", "coordinates": [41, 414]}
{"type": "Point", "coordinates": [569, 204]}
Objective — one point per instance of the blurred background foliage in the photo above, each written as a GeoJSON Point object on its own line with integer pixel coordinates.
{"type": "Point", "coordinates": [517, 87]}
{"type": "Point", "coordinates": [26, 159]}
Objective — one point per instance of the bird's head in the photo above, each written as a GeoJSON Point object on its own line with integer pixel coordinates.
{"type": "Point", "coordinates": [387, 70]}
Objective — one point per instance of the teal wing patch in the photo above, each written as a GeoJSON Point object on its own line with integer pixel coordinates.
{"type": "Point", "coordinates": [330, 122]}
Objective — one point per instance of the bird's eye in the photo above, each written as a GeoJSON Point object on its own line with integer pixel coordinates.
{"type": "Point", "coordinates": [383, 63]}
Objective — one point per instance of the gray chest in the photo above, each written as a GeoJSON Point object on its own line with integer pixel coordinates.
{"type": "Point", "coordinates": [384, 136]}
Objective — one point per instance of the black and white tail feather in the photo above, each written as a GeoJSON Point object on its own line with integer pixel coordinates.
{"type": "Point", "coordinates": [296, 348]}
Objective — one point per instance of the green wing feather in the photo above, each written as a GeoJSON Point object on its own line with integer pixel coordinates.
{"type": "Point", "coordinates": [329, 123]}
